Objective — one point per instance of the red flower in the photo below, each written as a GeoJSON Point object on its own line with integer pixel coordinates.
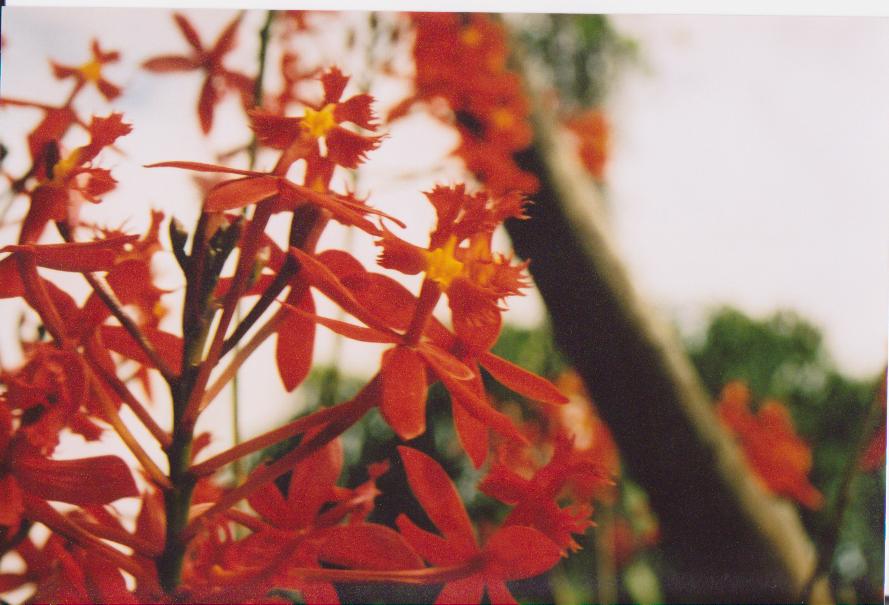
{"type": "Point", "coordinates": [218, 79]}
{"type": "Point", "coordinates": [510, 553]}
{"type": "Point", "coordinates": [773, 449]}
{"type": "Point", "coordinates": [535, 498]}
{"type": "Point", "coordinates": [91, 71]}
{"type": "Point", "coordinates": [71, 180]}
{"type": "Point", "coordinates": [299, 137]}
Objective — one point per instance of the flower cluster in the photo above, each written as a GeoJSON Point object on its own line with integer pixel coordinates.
{"type": "Point", "coordinates": [302, 531]}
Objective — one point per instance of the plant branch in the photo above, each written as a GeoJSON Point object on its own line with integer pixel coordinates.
{"type": "Point", "coordinates": [108, 298]}
{"type": "Point", "coordinates": [111, 415]}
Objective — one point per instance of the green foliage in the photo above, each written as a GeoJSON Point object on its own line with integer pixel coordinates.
{"type": "Point", "coordinates": [582, 52]}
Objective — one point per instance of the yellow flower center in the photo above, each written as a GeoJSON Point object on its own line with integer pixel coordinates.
{"type": "Point", "coordinates": [319, 123]}
{"type": "Point", "coordinates": [441, 264]}
{"type": "Point", "coordinates": [503, 118]}
{"type": "Point", "coordinates": [471, 36]}
{"type": "Point", "coordinates": [63, 167]}
{"type": "Point", "coordinates": [91, 71]}
{"type": "Point", "coordinates": [317, 185]}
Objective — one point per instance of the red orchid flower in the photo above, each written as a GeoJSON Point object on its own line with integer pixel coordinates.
{"type": "Point", "coordinates": [773, 449]}
{"type": "Point", "coordinates": [474, 279]}
{"type": "Point", "coordinates": [511, 553]}
{"type": "Point", "coordinates": [91, 71]}
{"type": "Point", "coordinates": [72, 180]}
{"type": "Point", "coordinates": [535, 498]}
{"type": "Point", "coordinates": [404, 368]}
{"type": "Point", "coordinates": [218, 79]}
{"type": "Point", "coordinates": [299, 137]}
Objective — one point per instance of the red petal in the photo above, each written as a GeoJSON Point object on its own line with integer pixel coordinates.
{"type": "Point", "coordinates": [357, 110]}
{"type": "Point", "coordinates": [11, 285]}
{"type": "Point", "coordinates": [478, 408]}
{"type": "Point", "coordinates": [437, 495]}
{"type": "Point", "coordinates": [473, 435]}
{"type": "Point", "coordinates": [295, 345]}
{"type": "Point", "coordinates": [334, 82]}
{"type": "Point", "coordinates": [312, 483]}
{"type": "Point", "coordinates": [348, 149]}
{"type": "Point", "coordinates": [475, 314]}
{"type": "Point", "coordinates": [397, 254]}
{"type": "Point", "coordinates": [404, 392]}
{"type": "Point", "coordinates": [505, 485]}
{"type": "Point", "coordinates": [269, 502]}
{"type": "Point", "coordinates": [520, 552]}
{"type": "Point", "coordinates": [240, 192]}
{"type": "Point", "coordinates": [520, 380]}
{"type": "Point", "coordinates": [368, 546]}
{"type": "Point", "coordinates": [327, 282]}
{"type": "Point", "coordinates": [188, 30]}
{"type": "Point", "coordinates": [359, 333]}
{"type": "Point", "coordinates": [499, 593]}
{"type": "Point", "coordinates": [80, 256]}
{"type": "Point", "coordinates": [206, 102]}
{"type": "Point", "coordinates": [275, 131]}
{"type": "Point", "coordinates": [63, 71]}
{"type": "Point", "coordinates": [11, 506]}
{"type": "Point", "coordinates": [446, 362]}
{"type": "Point", "coordinates": [391, 301]}
{"type": "Point", "coordinates": [462, 592]}
{"type": "Point", "coordinates": [168, 63]}
{"type": "Point", "coordinates": [431, 547]}
{"type": "Point", "coordinates": [226, 39]}
{"type": "Point", "coordinates": [109, 91]}
{"type": "Point", "coordinates": [83, 481]}
{"type": "Point", "coordinates": [168, 346]}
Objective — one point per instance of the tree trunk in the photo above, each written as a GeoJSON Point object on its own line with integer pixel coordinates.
{"type": "Point", "coordinates": [727, 540]}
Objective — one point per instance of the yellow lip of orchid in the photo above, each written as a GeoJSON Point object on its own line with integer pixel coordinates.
{"type": "Point", "coordinates": [91, 71]}
{"type": "Point", "coordinates": [441, 264]}
{"type": "Point", "coordinates": [320, 122]}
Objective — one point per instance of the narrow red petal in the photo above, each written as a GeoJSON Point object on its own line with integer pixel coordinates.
{"type": "Point", "coordinates": [119, 340]}
{"type": "Point", "coordinates": [238, 193]}
{"type": "Point", "coordinates": [188, 31]}
{"type": "Point", "coordinates": [168, 63]}
{"type": "Point", "coordinates": [404, 392]}
{"type": "Point", "coordinates": [368, 546]}
{"type": "Point", "coordinates": [520, 380]}
{"type": "Point", "coordinates": [83, 481]}
{"type": "Point", "coordinates": [462, 592]}
{"type": "Point", "coordinates": [206, 103]}
{"type": "Point", "coordinates": [473, 435]}
{"type": "Point", "coordinates": [431, 547]}
{"type": "Point", "coordinates": [439, 498]}
{"type": "Point", "coordinates": [295, 344]}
